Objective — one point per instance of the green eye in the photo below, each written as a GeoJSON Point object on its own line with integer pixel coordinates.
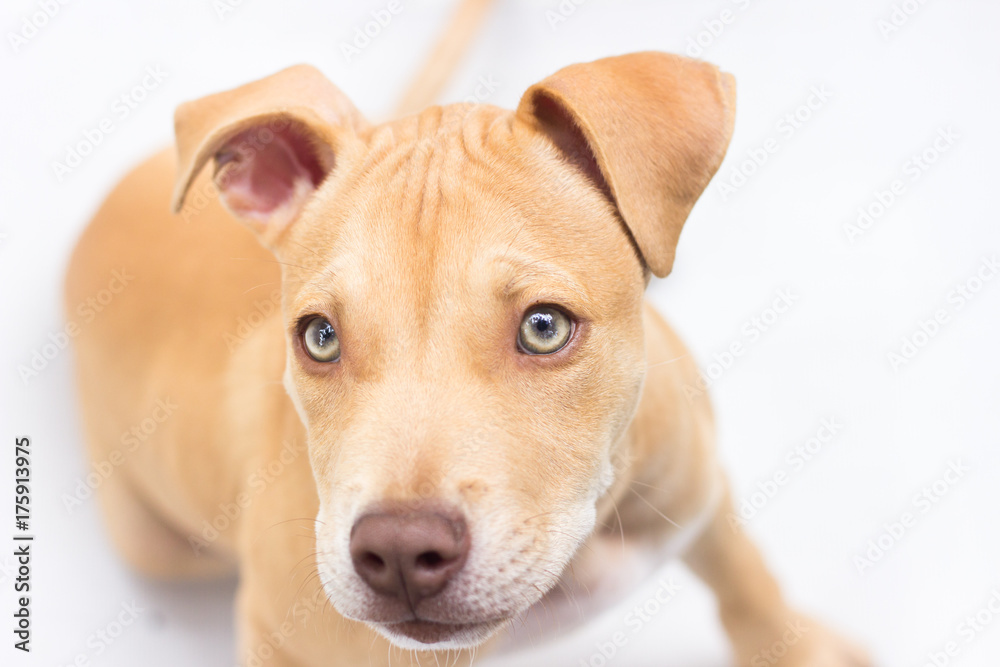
{"type": "Point", "coordinates": [320, 340]}
{"type": "Point", "coordinates": [544, 330]}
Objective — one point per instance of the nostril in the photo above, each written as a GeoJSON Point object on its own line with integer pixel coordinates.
{"type": "Point", "coordinates": [430, 560]}
{"type": "Point", "coordinates": [372, 561]}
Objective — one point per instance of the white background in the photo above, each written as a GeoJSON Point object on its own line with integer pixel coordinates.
{"type": "Point", "coordinates": [782, 230]}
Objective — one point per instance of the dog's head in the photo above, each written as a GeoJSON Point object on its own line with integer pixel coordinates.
{"type": "Point", "coordinates": [462, 296]}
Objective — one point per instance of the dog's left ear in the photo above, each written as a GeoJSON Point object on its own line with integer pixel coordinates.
{"type": "Point", "coordinates": [650, 130]}
{"type": "Point", "coordinates": [273, 142]}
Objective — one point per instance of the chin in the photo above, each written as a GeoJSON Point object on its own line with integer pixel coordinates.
{"type": "Point", "coordinates": [433, 636]}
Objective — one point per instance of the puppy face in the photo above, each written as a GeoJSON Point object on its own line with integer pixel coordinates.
{"type": "Point", "coordinates": [485, 301]}
{"type": "Point", "coordinates": [462, 295]}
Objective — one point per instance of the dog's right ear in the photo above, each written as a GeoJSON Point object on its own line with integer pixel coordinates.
{"type": "Point", "coordinates": [648, 129]}
{"type": "Point", "coordinates": [273, 142]}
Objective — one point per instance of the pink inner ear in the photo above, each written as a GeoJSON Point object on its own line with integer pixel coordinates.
{"type": "Point", "coordinates": [260, 172]}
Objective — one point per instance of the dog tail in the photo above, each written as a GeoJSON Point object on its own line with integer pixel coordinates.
{"type": "Point", "coordinates": [445, 57]}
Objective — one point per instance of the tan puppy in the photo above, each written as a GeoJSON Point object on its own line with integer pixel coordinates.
{"type": "Point", "coordinates": [462, 386]}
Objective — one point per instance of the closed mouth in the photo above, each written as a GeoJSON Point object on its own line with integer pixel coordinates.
{"type": "Point", "coordinates": [454, 634]}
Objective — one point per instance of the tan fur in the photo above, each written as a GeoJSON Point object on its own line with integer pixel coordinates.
{"type": "Point", "coordinates": [424, 244]}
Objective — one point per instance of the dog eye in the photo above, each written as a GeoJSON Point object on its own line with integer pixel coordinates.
{"type": "Point", "coordinates": [544, 330]}
{"type": "Point", "coordinates": [321, 340]}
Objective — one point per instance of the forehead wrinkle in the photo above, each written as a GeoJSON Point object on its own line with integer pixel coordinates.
{"type": "Point", "coordinates": [397, 220]}
{"type": "Point", "coordinates": [383, 150]}
{"type": "Point", "coordinates": [529, 275]}
{"type": "Point", "coordinates": [481, 141]}
{"type": "Point", "coordinates": [424, 238]}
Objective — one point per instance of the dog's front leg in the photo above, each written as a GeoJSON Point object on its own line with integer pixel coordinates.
{"type": "Point", "coordinates": [763, 630]}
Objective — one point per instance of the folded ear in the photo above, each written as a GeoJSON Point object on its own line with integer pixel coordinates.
{"type": "Point", "coordinates": [650, 129]}
{"type": "Point", "coordinates": [273, 142]}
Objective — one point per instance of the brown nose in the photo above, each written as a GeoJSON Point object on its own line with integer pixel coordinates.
{"type": "Point", "coordinates": [409, 555]}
